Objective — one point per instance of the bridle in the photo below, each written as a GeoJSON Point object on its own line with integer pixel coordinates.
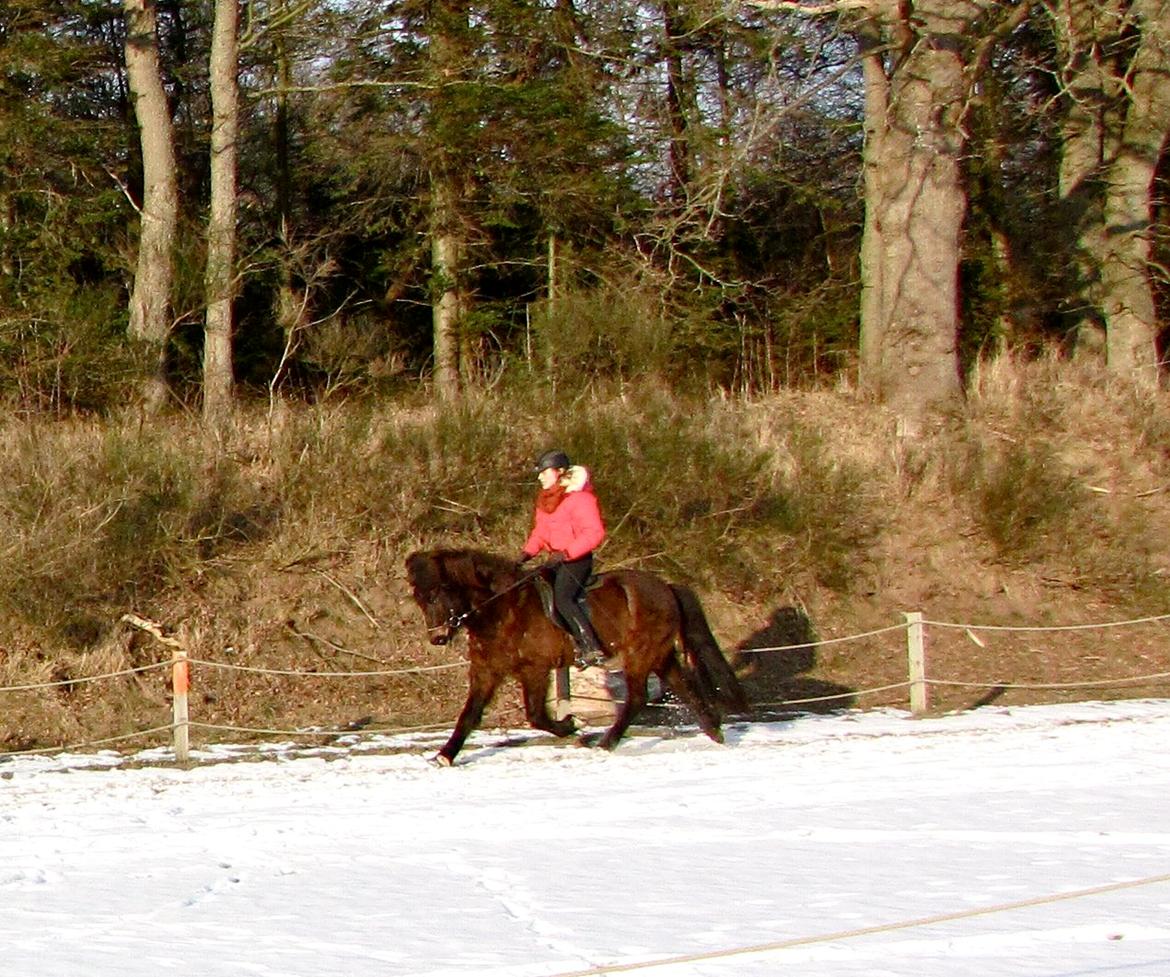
{"type": "Point", "coordinates": [455, 621]}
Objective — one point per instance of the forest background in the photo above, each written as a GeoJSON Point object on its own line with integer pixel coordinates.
{"type": "Point", "coordinates": [854, 308]}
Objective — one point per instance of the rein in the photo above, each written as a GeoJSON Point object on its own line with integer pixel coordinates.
{"type": "Point", "coordinates": [456, 621]}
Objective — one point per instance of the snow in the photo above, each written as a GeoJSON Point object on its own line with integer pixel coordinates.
{"type": "Point", "coordinates": [670, 857]}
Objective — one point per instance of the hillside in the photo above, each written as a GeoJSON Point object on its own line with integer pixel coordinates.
{"type": "Point", "coordinates": [799, 517]}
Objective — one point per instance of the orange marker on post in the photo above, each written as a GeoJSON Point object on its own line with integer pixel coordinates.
{"type": "Point", "coordinates": [180, 684]}
{"type": "Point", "coordinates": [181, 675]}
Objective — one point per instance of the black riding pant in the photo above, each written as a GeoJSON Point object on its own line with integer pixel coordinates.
{"type": "Point", "coordinates": [569, 591]}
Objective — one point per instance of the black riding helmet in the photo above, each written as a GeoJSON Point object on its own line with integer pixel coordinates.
{"type": "Point", "coordinates": [551, 459]}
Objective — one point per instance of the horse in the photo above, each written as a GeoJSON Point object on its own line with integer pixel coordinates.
{"type": "Point", "coordinates": [648, 626]}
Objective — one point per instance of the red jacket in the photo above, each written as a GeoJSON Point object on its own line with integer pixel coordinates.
{"type": "Point", "coordinates": [574, 527]}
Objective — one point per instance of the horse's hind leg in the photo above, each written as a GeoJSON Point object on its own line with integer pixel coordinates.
{"type": "Point", "coordinates": [635, 700]}
{"type": "Point", "coordinates": [479, 694]}
{"type": "Point", "coordinates": [534, 684]}
{"type": "Point", "coordinates": [691, 691]}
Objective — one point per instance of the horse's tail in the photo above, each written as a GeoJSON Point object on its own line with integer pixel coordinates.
{"type": "Point", "coordinates": [715, 675]}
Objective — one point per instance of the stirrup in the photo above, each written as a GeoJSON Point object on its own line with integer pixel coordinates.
{"type": "Point", "coordinates": [586, 653]}
{"type": "Point", "coordinates": [588, 659]}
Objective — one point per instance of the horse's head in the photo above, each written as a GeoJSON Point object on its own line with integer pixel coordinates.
{"type": "Point", "coordinates": [444, 606]}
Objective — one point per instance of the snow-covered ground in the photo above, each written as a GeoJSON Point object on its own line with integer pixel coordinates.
{"type": "Point", "coordinates": [537, 859]}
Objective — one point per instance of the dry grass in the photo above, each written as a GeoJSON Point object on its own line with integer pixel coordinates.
{"type": "Point", "coordinates": [800, 515]}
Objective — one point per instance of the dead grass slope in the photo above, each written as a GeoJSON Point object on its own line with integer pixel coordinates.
{"type": "Point", "coordinates": [1043, 503]}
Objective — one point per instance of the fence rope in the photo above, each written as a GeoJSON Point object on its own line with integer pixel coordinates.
{"type": "Point", "coordinates": [427, 669]}
{"type": "Point", "coordinates": [837, 695]}
{"type": "Point", "coordinates": [365, 731]}
{"type": "Point", "coordinates": [822, 642]}
{"type": "Point", "coordinates": [1050, 627]}
{"type": "Point", "coordinates": [1095, 684]}
{"type": "Point", "coordinates": [301, 673]}
{"type": "Point", "coordinates": [84, 678]}
{"type": "Point", "coordinates": [422, 669]}
{"type": "Point", "coordinates": [865, 930]}
{"type": "Point", "coordinates": [88, 744]}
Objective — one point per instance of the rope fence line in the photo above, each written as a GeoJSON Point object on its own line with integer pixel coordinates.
{"type": "Point", "coordinates": [803, 941]}
{"type": "Point", "coordinates": [914, 626]}
{"type": "Point", "coordinates": [328, 733]}
{"type": "Point", "coordinates": [60, 683]}
{"type": "Point", "coordinates": [823, 642]}
{"type": "Point", "coordinates": [1097, 684]}
{"type": "Point", "coordinates": [302, 673]}
{"type": "Point", "coordinates": [851, 694]}
{"type": "Point", "coordinates": [1132, 622]}
{"type": "Point", "coordinates": [89, 744]}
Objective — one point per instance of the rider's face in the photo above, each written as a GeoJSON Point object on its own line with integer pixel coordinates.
{"type": "Point", "coordinates": [548, 477]}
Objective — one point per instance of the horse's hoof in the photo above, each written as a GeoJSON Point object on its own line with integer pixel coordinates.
{"type": "Point", "coordinates": [438, 760]}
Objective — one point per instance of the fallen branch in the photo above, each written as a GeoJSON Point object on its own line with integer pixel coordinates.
{"type": "Point", "coordinates": [153, 628]}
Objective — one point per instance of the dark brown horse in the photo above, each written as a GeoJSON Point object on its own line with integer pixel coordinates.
{"type": "Point", "coordinates": [648, 626]}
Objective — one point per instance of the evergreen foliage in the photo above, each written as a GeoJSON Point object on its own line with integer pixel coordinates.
{"type": "Point", "coordinates": [671, 189]}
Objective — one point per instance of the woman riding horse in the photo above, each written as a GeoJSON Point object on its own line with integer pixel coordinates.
{"type": "Point", "coordinates": [567, 525]}
{"type": "Point", "coordinates": [655, 627]}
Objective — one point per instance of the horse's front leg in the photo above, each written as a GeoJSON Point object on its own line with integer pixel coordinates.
{"type": "Point", "coordinates": [534, 682]}
{"type": "Point", "coordinates": [482, 686]}
{"type": "Point", "coordinates": [635, 700]}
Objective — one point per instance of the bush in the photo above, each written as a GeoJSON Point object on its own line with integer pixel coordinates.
{"type": "Point", "coordinates": [99, 518]}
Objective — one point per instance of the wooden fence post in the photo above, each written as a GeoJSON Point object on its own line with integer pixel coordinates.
{"type": "Point", "coordinates": [563, 692]}
{"type": "Point", "coordinates": [180, 724]}
{"type": "Point", "coordinates": [180, 685]}
{"type": "Point", "coordinates": [916, 655]}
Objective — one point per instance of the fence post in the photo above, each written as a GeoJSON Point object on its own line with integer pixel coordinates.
{"type": "Point", "coordinates": [563, 693]}
{"type": "Point", "coordinates": [916, 655]}
{"type": "Point", "coordinates": [180, 728]}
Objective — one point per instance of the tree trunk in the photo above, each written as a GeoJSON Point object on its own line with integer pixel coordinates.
{"type": "Point", "coordinates": [447, 26]}
{"type": "Point", "coordinates": [915, 204]}
{"type": "Point", "coordinates": [1113, 132]}
{"type": "Point", "coordinates": [1127, 295]}
{"type": "Point", "coordinates": [674, 31]}
{"type": "Point", "coordinates": [873, 318]}
{"type": "Point", "coordinates": [447, 306]}
{"type": "Point", "coordinates": [221, 229]}
{"type": "Point", "coordinates": [1088, 139]}
{"type": "Point", "coordinates": [150, 300]}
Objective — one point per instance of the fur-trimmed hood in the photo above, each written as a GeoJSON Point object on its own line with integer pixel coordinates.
{"type": "Point", "coordinates": [576, 478]}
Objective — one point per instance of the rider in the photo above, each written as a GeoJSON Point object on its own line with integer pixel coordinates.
{"type": "Point", "coordinates": [567, 525]}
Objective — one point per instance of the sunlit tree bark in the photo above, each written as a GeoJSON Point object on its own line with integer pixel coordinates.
{"type": "Point", "coordinates": [1114, 66]}
{"type": "Point", "coordinates": [219, 279]}
{"type": "Point", "coordinates": [150, 300]}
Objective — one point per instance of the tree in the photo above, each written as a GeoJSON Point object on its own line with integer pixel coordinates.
{"type": "Point", "coordinates": [1114, 61]}
{"type": "Point", "coordinates": [221, 227]}
{"type": "Point", "coordinates": [447, 28]}
{"type": "Point", "coordinates": [1131, 320]}
{"type": "Point", "coordinates": [150, 301]}
{"type": "Point", "coordinates": [919, 61]}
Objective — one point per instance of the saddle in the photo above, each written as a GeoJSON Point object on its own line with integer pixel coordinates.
{"type": "Point", "coordinates": [544, 588]}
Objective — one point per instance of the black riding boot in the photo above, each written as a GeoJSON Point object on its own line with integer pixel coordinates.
{"type": "Point", "coordinates": [587, 646]}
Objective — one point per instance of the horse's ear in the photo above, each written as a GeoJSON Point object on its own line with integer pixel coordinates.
{"type": "Point", "coordinates": [491, 576]}
{"type": "Point", "coordinates": [422, 568]}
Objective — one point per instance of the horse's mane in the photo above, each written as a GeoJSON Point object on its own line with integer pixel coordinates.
{"type": "Point", "coordinates": [469, 568]}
